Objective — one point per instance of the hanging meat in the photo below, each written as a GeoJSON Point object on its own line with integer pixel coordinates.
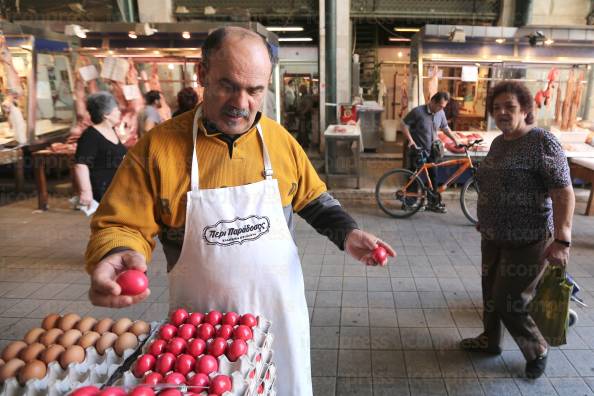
{"type": "Point", "coordinates": [155, 85]}
{"type": "Point", "coordinates": [544, 96]}
{"type": "Point", "coordinates": [569, 92]}
{"type": "Point", "coordinates": [82, 89]}
{"type": "Point", "coordinates": [558, 106]}
{"type": "Point", "coordinates": [432, 84]}
{"type": "Point", "coordinates": [576, 100]}
{"type": "Point", "coordinates": [13, 92]}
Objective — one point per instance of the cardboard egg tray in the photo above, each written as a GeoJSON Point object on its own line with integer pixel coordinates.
{"type": "Point", "coordinates": [95, 369]}
{"type": "Point", "coordinates": [246, 373]}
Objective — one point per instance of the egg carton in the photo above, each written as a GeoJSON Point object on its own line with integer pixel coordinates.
{"type": "Point", "coordinates": [96, 369]}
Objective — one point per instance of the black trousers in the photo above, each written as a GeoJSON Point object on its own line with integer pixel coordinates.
{"type": "Point", "coordinates": [411, 165]}
{"type": "Point", "coordinates": [510, 275]}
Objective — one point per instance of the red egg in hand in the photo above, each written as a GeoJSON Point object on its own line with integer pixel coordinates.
{"type": "Point", "coordinates": [220, 384]}
{"type": "Point", "coordinates": [132, 282]}
{"type": "Point", "coordinates": [184, 364]}
{"type": "Point", "coordinates": [206, 365]}
{"type": "Point", "coordinates": [216, 347]}
{"type": "Point", "coordinates": [195, 318]}
{"type": "Point", "coordinates": [143, 364]}
{"type": "Point", "coordinates": [179, 317]}
{"type": "Point", "coordinates": [243, 332]}
{"type": "Point", "coordinates": [380, 255]}
{"type": "Point", "coordinates": [248, 320]}
{"type": "Point", "coordinates": [153, 378]}
{"type": "Point", "coordinates": [225, 331]}
{"type": "Point", "coordinates": [231, 318]}
{"type": "Point", "coordinates": [237, 349]}
{"type": "Point", "coordinates": [196, 347]}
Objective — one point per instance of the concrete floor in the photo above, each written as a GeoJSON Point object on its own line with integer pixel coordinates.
{"type": "Point", "coordinates": [374, 331]}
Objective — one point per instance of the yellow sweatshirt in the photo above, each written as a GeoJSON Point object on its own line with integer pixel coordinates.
{"type": "Point", "coordinates": [148, 193]}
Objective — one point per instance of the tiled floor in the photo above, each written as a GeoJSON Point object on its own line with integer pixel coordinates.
{"type": "Point", "coordinates": [375, 331]}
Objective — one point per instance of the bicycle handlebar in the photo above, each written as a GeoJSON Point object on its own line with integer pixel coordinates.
{"type": "Point", "coordinates": [469, 145]}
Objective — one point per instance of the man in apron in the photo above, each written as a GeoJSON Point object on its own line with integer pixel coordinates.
{"type": "Point", "coordinates": [219, 186]}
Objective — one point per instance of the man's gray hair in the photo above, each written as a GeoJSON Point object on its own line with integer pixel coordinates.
{"type": "Point", "coordinates": [99, 104]}
{"type": "Point", "coordinates": [215, 40]}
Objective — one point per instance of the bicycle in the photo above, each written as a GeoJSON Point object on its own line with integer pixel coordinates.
{"type": "Point", "coordinates": [401, 193]}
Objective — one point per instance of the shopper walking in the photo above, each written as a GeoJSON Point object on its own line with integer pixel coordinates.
{"type": "Point", "coordinates": [233, 169]}
{"type": "Point", "coordinates": [525, 212]}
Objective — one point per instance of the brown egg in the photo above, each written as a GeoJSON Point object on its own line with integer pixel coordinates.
{"type": "Point", "coordinates": [35, 369]}
{"type": "Point", "coordinates": [106, 341]}
{"type": "Point", "coordinates": [125, 341]}
{"type": "Point", "coordinates": [10, 369]}
{"type": "Point", "coordinates": [32, 352]}
{"type": "Point", "coordinates": [103, 325]}
{"type": "Point", "coordinates": [50, 337]}
{"type": "Point", "coordinates": [140, 327]}
{"type": "Point", "coordinates": [52, 353]}
{"type": "Point", "coordinates": [50, 321]}
{"type": "Point", "coordinates": [88, 339]}
{"type": "Point", "coordinates": [121, 326]}
{"type": "Point", "coordinates": [69, 338]}
{"type": "Point", "coordinates": [86, 324]}
{"type": "Point", "coordinates": [13, 349]}
{"type": "Point", "coordinates": [74, 354]}
{"type": "Point", "coordinates": [33, 335]}
{"type": "Point", "coordinates": [68, 321]}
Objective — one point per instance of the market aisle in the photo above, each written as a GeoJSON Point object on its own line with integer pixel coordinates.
{"type": "Point", "coordinates": [380, 331]}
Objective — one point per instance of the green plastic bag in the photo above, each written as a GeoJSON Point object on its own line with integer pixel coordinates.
{"type": "Point", "coordinates": [550, 306]}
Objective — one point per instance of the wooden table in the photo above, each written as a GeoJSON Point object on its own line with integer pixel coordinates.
{"type": "Point", "coordinates": [43, 159]}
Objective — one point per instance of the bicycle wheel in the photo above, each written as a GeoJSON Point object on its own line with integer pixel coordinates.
{"type": "Point", "coordinates": [469, 199]}
{"type": "Point", "coordinates": [396, 200]}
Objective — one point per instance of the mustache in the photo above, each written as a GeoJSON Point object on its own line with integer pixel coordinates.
{"type": "Point", "coordinates": [235, 112]}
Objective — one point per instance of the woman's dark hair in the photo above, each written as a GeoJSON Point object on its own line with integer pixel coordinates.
{"type": "Point", "coordinates": [100, 104]}
{"type": "Point", "coordinates": [520, 91]}
{"type": "Point", "coordinates": [186, 99]}
{"type": "Point", "coordinates": [152, 96]}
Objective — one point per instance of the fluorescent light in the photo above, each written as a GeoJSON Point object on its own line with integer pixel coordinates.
{"type": "Point", "coordinates": [549, 41]}
{"type": "Point", "coordinates": [500, 40]}
{"type": "Point", "coordinates": [132, 34]}
{"type": "Point", "coordinates": [170, 66]}
{"type": "Point", "coordinates": [186, 35]}
{"type": "Point", "coordinates": [285, 29]}
{"type": "Point", "coordinates": [399, 39]}
{"type": "Point", "coordinates": [295, 39]}
{"type": "Point", "coordinates": [411, 30]}
{"type": "Point", "coordinates": [400, 54]}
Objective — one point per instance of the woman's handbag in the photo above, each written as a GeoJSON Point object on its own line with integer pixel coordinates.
{"type": "Point", "coordinates": [437, 149]}
{"type": "Point", "coordinates": [550, 306]}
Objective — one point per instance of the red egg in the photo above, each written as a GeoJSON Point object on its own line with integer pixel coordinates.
{"type": "Point", "coordinates": [175, 378]}
{"type": "Point", "coordinates": [237, 349]}
{"type": "Point", "coordinates": [186, 331]}
{"type": "Point", "coordinates": [196, 347]}
{"type": "Point", "coordinates": [206, 365]}
{"type": "Point", "coordinates": [213, 317]}
{"type": "Point", "coordinates": [157, 347]}
{"type": "Point", "coordinates": [153, 378]}
{"type": "Point", "coordinates": [248, 320]}
{"type": "Point", "coordinates": [143, 364]}
{"type": "Point", "coordinates": [176, 345]}
{"type": "Point", "coordinates": [165, 362]}
{"type": "Point", "coordinates": [179, 316]}
{"type": "Point", "coordinates": [184, 364]}
{"type": "Point", "coordinates": [225, 331]}
{"type": "Point", "coordinates": [206, 331]}
{"type": "Point", "coordinates": [230, 318]}
{"type": "Point", "coordinates": [195, 318]}
{"type": "Point", "coordinates": [132, 282]}
{"type": "Point", "coordinates": [243, 332]}
{"type": "Point", "coordinates": [113, 391]}
{"type": "Point", "coordinates": [199, 379]}
{"type": "Point", "coordinates": [86, 391]}
{"type": "Point", "coordinates": [216, 347]}
{"type": "Point", "coordinates": [167, 331]}
{"type": "Point", "coordinates": [170, 392]}
{"type": "Point", "coordinates": [379, 254]}
{"type": "Point", "coordinates": [220, 384]}
{"type": "Point", "coordinates": [142, 391]}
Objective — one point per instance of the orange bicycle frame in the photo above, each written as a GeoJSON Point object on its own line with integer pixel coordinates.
{"type": "Point", "coordinates": [465, 163]}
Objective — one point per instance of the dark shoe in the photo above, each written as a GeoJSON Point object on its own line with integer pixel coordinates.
{"type": "Point", "coordinates": [535, 368]}
{"type": "Point", "coordinates": [437, 208]}
{"type": "Point", "coordinates": [479, 344]}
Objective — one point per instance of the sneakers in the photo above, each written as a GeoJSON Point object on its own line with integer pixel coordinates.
{"type": "Point", "coordinates": [480, 344]}
{"type": "Point", "coordinates": [535, 368]}
{"type": "Point", "coordinates": [437, 207]}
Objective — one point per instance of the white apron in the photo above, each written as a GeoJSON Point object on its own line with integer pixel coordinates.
{"type": "Point", "coordinates": [238, 255]}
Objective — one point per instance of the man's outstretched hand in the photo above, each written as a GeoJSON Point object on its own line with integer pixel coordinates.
{"type": "Point", "coordinates": [104, 290]}
{"type": "Point", "coordinates": [360, 245]}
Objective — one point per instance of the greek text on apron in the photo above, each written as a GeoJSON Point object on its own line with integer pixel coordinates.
{"type": "Point", "coordinates": [238, 255]}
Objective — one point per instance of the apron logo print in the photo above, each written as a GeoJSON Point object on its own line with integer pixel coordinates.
{"type": "Point", "coordinates": [236, 231]}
